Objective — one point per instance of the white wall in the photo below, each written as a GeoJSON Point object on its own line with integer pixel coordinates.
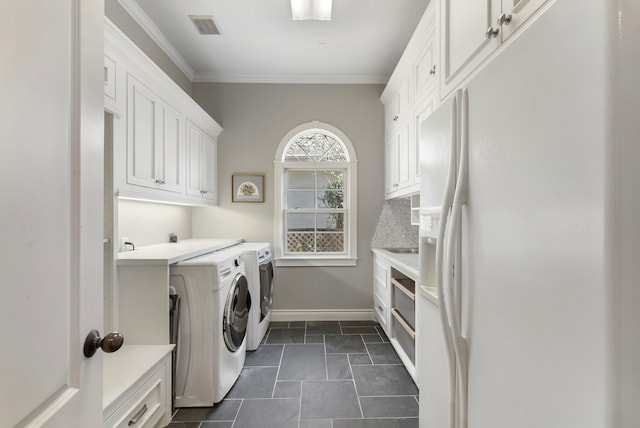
{"type": "Point", "coordinates": [146, 223]}
{"type": "Point", "coordinates": [255, 118]}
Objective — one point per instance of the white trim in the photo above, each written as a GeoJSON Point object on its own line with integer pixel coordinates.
{"type": "Point", "coordinates": [316, 261]}
{"type": "Point", "coordinates": [322, 315]}
{"type": "Point", "coordinates": [352, 79]}
{"type": "Point", "coordinates": [139, 15]}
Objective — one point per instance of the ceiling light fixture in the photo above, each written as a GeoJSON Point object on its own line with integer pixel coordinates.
{"type": "Point", "coordinates": [319, 10]}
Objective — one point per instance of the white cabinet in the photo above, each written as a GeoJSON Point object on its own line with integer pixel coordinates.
{"type": "Point", "coordinates": [399, 157]}
{"type": "Point", "coordinates": [152, 120]}
{"type": "Point", "coordinates": [394, 303]}
{"type": "Point", "coordinates": [137, 387]}
{"type": "Point", "coordinates": [470, 31]}
{"type": "Point", "coordinates": [201, 163]}
{"type": "Point", "coordinates": [381, 291]}
{"type": "Point", "coordinates": [413, 84]}
{"type": "Point", "coordinates": [154, 140]}
{"type": "Point", "coordinates": [398, 105]}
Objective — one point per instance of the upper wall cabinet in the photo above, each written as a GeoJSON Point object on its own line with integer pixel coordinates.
{"type": "Point", "coordinates": [155, 135]}
{"type": "Point", "coordinates": [470, 31]}
{"type": "Point", "coordinates": [157, 128]}
{"type": "Point", "coordinates": [412, 85]}
{"type": "Point", "coordinates": [201, 162]}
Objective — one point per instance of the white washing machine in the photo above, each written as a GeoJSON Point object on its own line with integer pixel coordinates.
{"type": "Point", "coordinates": [215, 301]}
{"type": "Point", "coordinates": [258, 259]}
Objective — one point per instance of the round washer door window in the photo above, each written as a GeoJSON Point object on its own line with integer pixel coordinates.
{"type": "Point", "coordinates": [236, 313]}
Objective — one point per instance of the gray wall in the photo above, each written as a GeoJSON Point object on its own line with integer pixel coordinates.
{"type": "Point", "coordinates": [121, 18]}
{"type": "Point", "coordinates": [255, 118]}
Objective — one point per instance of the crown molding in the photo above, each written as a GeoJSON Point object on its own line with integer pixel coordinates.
{"type": "Point", "coordinates": [291, 78]}
{"type": "Point", "coordinates": [156, 35]}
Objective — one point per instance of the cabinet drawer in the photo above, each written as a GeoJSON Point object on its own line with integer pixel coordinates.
{"type": "Point", "coordinates": [145, 408]}
{"type": "Point", "coordinates": [382, 312]}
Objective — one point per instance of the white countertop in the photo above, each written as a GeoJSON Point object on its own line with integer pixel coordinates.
{"type": "Point", "coordinates": [123, 368]}
{"type": "Point", "coordinates": [169, 253]}
{"type": "Point", "coordinates": [408, 263]}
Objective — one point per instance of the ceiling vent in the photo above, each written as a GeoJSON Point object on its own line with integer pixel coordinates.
{"type": "Point", "coordinates": [205, 24]}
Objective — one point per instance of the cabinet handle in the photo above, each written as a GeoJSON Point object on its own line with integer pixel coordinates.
{"type": "Point", "coordinates": [433, 70]}
{"type": "Point", "coordinates": [491, 32]}
{"type": "Point", "coordinates": [380, 309]}
{"type": "Point", "coordinates": [504, 19]}
{"type": "Point", "coordinates": [106, 76]}
{"type": "Point", "coordinates": [134, 420]}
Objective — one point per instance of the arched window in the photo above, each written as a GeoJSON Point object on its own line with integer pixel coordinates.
{"type": "Point", "coordinates": [315, 179]}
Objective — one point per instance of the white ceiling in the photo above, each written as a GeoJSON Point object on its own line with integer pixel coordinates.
{"type": "Point", "coordinates": [259, 42]}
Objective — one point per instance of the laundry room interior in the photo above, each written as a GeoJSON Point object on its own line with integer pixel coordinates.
{"type": "Point", "coordinates": [321, 213]}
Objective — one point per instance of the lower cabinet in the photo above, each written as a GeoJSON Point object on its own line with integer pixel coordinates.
{"type": "Point", "coordinates": [395, 304]}
{"type": "Point", "coordinates": [381, 291]}
{"type": "Point", "coordinates": [137, 387]}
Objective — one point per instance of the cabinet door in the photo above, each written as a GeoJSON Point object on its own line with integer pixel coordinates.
{"type": "Point", "coordinates": [397, 109]}
{"type": "Point", "coordinates": [169, 160]}
{"type": "Point", "coordinates": [404, 153]}
{"type": "Point", "coordinates": [465, 39]}
{"type": "Point", "coordinates": [208, 165]}
{"type": "Point", "coordinates": [422, 112]}
{"type": "Point", "coordinates": [519, 11]}
{"type": "Point", "coordinates": [389, 168]}
{"type": "Point", "coordinates": [143, 119]}
{"type": "Point", "coordinates": [194, 148]}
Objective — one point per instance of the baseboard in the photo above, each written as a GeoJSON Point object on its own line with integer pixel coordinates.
{"type": "Point", "coordinates": [323, 315]}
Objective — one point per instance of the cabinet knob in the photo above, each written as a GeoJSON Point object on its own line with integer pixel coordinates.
{"type": "Point", "coordinates": [504, 19]}
{"type": "Point", "coordinates": [433, 70]}
{"type": "Point", "coordinates": [491, 32]}
{"type": "Point", "coordinates": [110, 343]}
{"type": "Point", "coordinates": [396, 117]}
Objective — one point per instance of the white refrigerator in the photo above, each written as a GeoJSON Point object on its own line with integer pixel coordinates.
{"type": "Point", "coordinates": [537, 240]}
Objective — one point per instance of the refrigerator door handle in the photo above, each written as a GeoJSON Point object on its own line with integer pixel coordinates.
{"type": "Point", "coordinates": [453, 273]}
{"type": "Point", "coordinates": [441, 279]}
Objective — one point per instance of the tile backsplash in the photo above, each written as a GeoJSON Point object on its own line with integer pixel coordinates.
{"type": "Point", "coordinates": [394, 228]}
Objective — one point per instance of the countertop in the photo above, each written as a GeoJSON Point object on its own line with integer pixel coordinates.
{"type": "Point", "coordinates": [169, 253]}
{"type": "Point", "coordinates": [409, 264]}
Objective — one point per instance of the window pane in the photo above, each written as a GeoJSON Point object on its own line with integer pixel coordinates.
{"type": "Point", "coordinates": [301, 179]}
{"type": "Point", "coordinates": [301, 199]}
{"type": "Point", "coordinates": [330, 222]}
{"type": "Point", "coordinates": [330, 242]}
{"type": "Point", "coordinates": [301, 242]}
{"type": "Point", "coordinates": [315, 147]}
{"type": "Point", "coordinates": [330, 179]}
{"type": "Point", "coordinates": [331, 199]}
{"type": "Point", "coordinates": [301, 222]}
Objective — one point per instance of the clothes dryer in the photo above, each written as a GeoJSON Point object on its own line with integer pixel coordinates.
{"type": "Point", "coordinates": [258, 261]}
{"type": "Point", "coordinates": [215, 296]}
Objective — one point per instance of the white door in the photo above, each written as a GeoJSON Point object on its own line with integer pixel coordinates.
{"type": "Point", "coordinates": [51, 150]}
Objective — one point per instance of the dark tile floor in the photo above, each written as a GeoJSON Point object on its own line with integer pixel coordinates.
{"type": "Point", "coordinates": [316, 374]}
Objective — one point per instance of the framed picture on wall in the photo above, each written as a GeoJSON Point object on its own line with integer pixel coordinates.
{"type": "Point", "coordinates": [247, 187]}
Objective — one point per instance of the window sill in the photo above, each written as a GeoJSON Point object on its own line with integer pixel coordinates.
{"type": "Point", "coordinates": [315, 262]}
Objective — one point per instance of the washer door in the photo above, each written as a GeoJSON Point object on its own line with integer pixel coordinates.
{"type": "Point", "coordinates": [266, 288]}
{"type": "Point", "coordinates": [236, 313]}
